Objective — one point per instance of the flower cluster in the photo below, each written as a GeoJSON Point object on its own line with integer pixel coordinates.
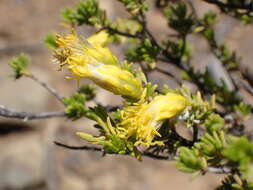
{"type": "Point", "coordinates": [140, 117]}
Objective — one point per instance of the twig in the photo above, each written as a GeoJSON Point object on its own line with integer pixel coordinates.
{"type": "Point", "coordinates": [220, 170]}
{"type": "Point", "coordinates": [195, 133]}
{"type": "Point", "coordinates": [115, 31]}
{"type": "Point", "coordinates": [217, 170]}
{"type": "Point", "coordinates": [96, 149]}
{"type": "Point", "coordinates": [12, 113]}
{"type": "Point", "coordinates": [49, 89]}
{"type": "Point", "coordinates": [248, 7]}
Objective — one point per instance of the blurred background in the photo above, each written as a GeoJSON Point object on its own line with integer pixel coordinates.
{"type": "Point", "coordinates": [29, 159]}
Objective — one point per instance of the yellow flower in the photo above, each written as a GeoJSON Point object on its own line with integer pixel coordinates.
{"type": "Point", "coordinates": [101, 38]}
{"type": "Point", "coordinates": [144, 119]}
{"type": "Point", "coordinates": [89, 59]}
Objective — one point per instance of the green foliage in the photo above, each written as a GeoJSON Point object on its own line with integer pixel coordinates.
{"type": "Point", "coordinates": [88, 91]}
{"type": "Point", "coordinates": [246, 19]}
{"type": "Point", "coordinates": [209, 18]}
{"type": "Point", "coordinates": [50, 41]}
{"type": "Point", "coordinates": [240, 151]}
{"type": "Point", "coordinates": [97, 112]}
{"type": "Point", "coordinates": [128, 26]}
{"type": "Point", "coordinates": [235, 183]}
{"type": "Point", "coordinates": [117, 145]}
{"type": "Point", "coordinates": [205, 152]}
{"type": "Point", "coordinates": [179, 19]}
{"type": "Point", "coordinates": [75, 106]}
{"type": "Point", "coordinates": [199, 109]}
{"type": "Point", "coordinates": [86, 12]}
{"type": "Point", "coordinates": [135, 6]}
{"type": "Point", "coordinates": [243, 109]}
{"type": "Point", "coordinates": [190, 161]}
{"type": "Point", "coordinates": [211, 145]}
{"type": "Point", "coordinates": [207, 22]}
{"type": "Point", "coordinates": [151, 90]}
{"type": "Point", "coordinates": [144, 51]}
{"type": "Point", "coordinates": [214, 123]}
{"type": "Point", "coordinates": [109, 139]}
{"type": "Point", "coordinates": [19, 65]}
{"type": "Point", "coordinates": [240, 9]}
{"type": "Point", "coordinates": [180, 49]}
{"type": "Point", "coordinates": [111, 144]}
{"type": "Point", "coordinates": [228, 58]}
{"type": "Point", "coordinates": [223, 94]}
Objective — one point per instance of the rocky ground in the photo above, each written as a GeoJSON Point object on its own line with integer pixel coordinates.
{"type": "Point", "coordinates": [29, 160]}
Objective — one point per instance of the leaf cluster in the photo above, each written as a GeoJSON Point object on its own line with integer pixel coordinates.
{"type": "Point", "coordinates": [135, 6]}
{"type": "Point", "coordinates": [240, 151]}
{"type": "Point", "coordinates": [19, 65]}
{"type": "Point", "coordinates": [179, 19]}
{"type": "Point", "coordinates": [86, 12]}
{"type": "Point", "coordinates": [144, 51]}
{"type": "Point", "coordinates": [205, 153]}
{"type": "Point", "coordinates": [75, 106]}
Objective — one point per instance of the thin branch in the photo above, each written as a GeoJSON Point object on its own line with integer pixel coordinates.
{"type": "Point", "coordinates": [12, 113]}
{"type": "Point", "coordinates": [217, 170]}
{"type": "Point", "coordinates": [220, 170]}
{"type": "Point", "coordinates": [115, 31]}
{"type": "Point", "coordinates": [248, 7]}
{"type": "Point", "coordinates": [96, 149]}
{"type": "Point", "coordinates": [195, 133]}
{"type": "Point", "coordinates": [49, 89]}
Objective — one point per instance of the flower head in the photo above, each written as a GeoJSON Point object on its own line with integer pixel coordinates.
{"type": "Point", "coordinates": [89, 59]}
{"type": "Point", "coordinates": [144, 119]}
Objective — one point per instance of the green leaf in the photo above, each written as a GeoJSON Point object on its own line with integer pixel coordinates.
{"type": "Point", "coordinates": [50, 41]}
{"type": "Point", "coordinates": [214, 123]}
{"type": "Point", "coordinates": [243, 109]}
{"type": "Point", "coordinates": [86, 12]}
{"type": "Point", "coordinates": [76, 107]}
{"type": "Point", "coordinates": [190, 161]}
{"type": "Point", "coordinates": [98, 112]}
{"type": "Point", "coordinates": [211, 145]}
{"type": "Point", "coordinates": [240, 151]}
{"type": "Point", "coordinates": [135, 6]}
{"type": "Point", "coordinates": [88, 91]}
{"type": "Point", "coordinates": [144, 51]}
{"type": "Point", "coordinates": [179, 19]}
{"type": "Point", "coordinates": [19, 65]}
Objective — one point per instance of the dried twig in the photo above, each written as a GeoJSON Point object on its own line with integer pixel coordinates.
{"type": "Point", "coordinates": [12, 113]}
